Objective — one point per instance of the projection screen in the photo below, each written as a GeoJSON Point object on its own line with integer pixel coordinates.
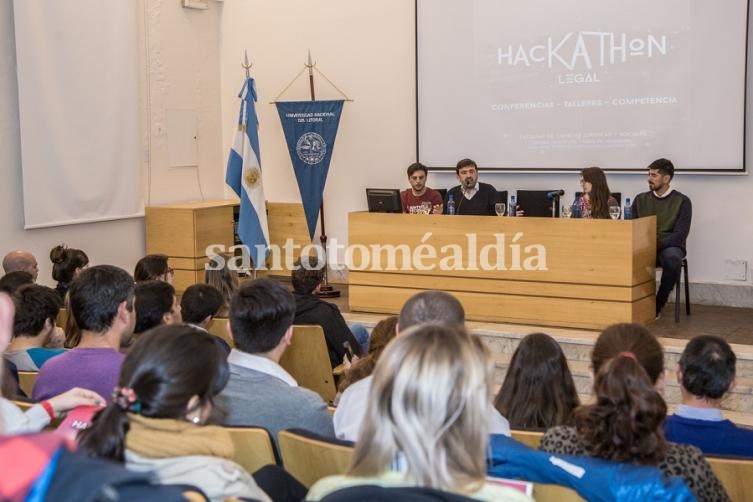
{"type": "Point", "coordinates": [557, 85]}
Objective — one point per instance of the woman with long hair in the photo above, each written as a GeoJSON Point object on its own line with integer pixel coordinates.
{"type": "Point", "coordinates": [427, 420]}
{"type": "Point", "coordinates": [153, 267]}
{"type": "Point", "coordinates": [538, 391]}
{"type": "Point", "coordinates": [224, 278]}
{"type": "Point", "coordinates": [67, 263]}
{"type": "Point", "coordinates": [157, 420]}
{"type": "Point", "coordinates": [384, 331]}
{"type": "Point", "coordinates": [596, 198]}
{"type": "Point", "coordinates": [626, 421]}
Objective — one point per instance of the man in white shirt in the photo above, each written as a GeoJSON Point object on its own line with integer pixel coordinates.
{"type": "Point", "coordinates": [427, 307]}
{"type": "Point", "coordinates": [260, 392]}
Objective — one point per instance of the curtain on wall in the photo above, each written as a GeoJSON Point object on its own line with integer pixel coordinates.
{"type": "Point", "coordinates": [78, 95]}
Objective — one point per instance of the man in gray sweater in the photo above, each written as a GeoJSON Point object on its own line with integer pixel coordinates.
{"type": "Point", "coordinates": [260, 392]}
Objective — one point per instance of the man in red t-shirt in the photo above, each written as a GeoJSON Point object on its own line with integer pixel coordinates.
{"type": "Point", "coordinates": [418, 193]}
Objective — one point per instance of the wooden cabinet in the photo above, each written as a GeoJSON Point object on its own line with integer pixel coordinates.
{"type": "Point", "coordinates": [184, 231]}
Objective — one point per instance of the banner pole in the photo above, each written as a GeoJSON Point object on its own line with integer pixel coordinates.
{"type": "Point", "coordinates": [326, 290]}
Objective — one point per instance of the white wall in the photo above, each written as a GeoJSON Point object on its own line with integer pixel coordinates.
{"type": "Point", "coordinates": [114, 242]}
{"type": "Point", "coordinates": [181, 47]}
{"type": "Point", "coordinates": [368, 50]}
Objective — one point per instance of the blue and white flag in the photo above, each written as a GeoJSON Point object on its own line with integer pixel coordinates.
{"type": "Point", "coordinates": [244, 177]}
{"type": "Point", "coordinates": [310, 129]}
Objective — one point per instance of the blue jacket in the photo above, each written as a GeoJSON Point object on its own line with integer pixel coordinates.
{"type": "Point", "coordinates": [594, 479]}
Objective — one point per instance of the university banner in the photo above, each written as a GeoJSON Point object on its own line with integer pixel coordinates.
{"type": "Point", "coordinates": [310, 129]}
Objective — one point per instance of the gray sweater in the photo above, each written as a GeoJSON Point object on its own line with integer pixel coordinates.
{"type": "Point", "coordinates": [253, 398]}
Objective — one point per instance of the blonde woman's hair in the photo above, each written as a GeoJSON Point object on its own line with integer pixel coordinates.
{"type": "Point", "coordinates": [226, 280]}
{"type": "Point", "coordinates": [429, 405]}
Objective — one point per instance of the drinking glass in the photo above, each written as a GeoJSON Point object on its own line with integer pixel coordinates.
{"type": "Point", "coordinates": [426, 205]}
{"type": "Point", "coordinates": [614, 212]}
{"type": "Point", "coordinates": [567, 210]}
{"type": "Point", "coordinates": [499, 208]}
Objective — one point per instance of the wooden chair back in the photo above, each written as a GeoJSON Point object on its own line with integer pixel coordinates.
{"type": "Point", "coordinates": [555, 493]}
{"type": "Point", "coordinates": [736, 476]}
{"type": "Point", "coordinates": [218, 327]}
{"type": "Point", "coordinates": [307, 360]}
{"type": "Point", "coordinates": [253, 447]}
{"type": "Point", "coordinates": [528, 438]}
{"type": "Point", "coordinates": [26, 381]}
{"type": "Point", "coordinates": [23, 405]}
{"type": "Point", "coordinates": [310, 460]}
{"type": "Point", "coordinates": [62, 318]}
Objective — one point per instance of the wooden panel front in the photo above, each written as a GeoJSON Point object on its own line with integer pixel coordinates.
{"type": "Point", "coordinates": [214, 226]}
{"type": "Point", "coordinates": [169, 231]}
{"type": "Point", "coordinates": [577, 251]}
{"type": "Point", "coordinates": [286, 221]}
{"type": "Point", "coordinates": [558, 272]}
{"type": "Point", "coordinates": [537, 310]}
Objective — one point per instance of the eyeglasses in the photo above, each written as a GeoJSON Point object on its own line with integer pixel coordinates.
{"type": "Point", "coordinates": [170, 271]}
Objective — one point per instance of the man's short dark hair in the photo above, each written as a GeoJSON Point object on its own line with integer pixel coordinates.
{"type": "Point", "coordinates": [664, 166]}
{"type": "Point", "coordinates": [431, 307]}
{"type": "Point", "coordinates": [464, 163]}
{"type": "Point", "coordinates": [95, 295]}
{"type": "Point", "coordinates": [417, 166]}
{"type": "Point", "coordinates": [708, 366]}
{"type": "Point", "coordinates": [261, 312]}
{"type": "Point", "coordinates": [306, 279]}
{"type": "Point", "coordinates": [11, 281]}
{"type": "Point", "coordinates": [199, 302]}
{"type": "Point", "coordinates": [154, 299]}
{"type": "Point", "coordinates": [35, 305]}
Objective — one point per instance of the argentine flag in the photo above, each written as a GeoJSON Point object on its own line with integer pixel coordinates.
{"type": "Point", "coordinates": [244, 177]}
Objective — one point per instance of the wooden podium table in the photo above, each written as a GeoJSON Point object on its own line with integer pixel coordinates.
{"type": "Point", "coordinates": [591, 273]}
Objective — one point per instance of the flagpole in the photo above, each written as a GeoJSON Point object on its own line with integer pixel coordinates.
{"type": "Point", "coordinates": [326, 290]}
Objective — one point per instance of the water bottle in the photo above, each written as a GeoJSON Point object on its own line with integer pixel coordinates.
{"type": "Point", "coordinates": [627, 212]}
{"type": "Point", "coordinates": [576, 208]}
{"type": "Point", "coordinates": [450, 204]}
{"type": "Point", "coordinates": [511, 208]}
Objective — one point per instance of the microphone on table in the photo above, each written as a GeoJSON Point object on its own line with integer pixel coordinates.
{"type": "Point", "coordinates": [555, 193]}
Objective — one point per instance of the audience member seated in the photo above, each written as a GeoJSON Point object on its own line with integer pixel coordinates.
{"type": "Point", "coordinates": [427, 418]}
{"type": "Point", "coordinates": [427, 307]}
{"type": "Point", "coordinates": [157, 420]}
{"type": "Point", "coordinates": [15, 421]}
{"type": "Point", "coordinates": [706, 372]}
{"type": "Point", "coordinates": [224, 278]}
{"type": "Point", "coordinates": [20, 260]}
{"type": "Point", "coordinates": [384, 331]}
{"type": "Point", "coordinates": [67, 263]}
{"type": "Point", "coordinates": [101, 300]}
{"type": "Point", "coordinates": [538, 391]}
{"type": "Point", "coordinates": [155, 304]}
{"type": "Point", "coordinates": [153, 267]}
{"type": "Point", "coordinates": [311, 310]}
{"type": "Point", "coordinates": [37, 308]}
{"type": "Point", "coordinates": [200, 304]}
{"type": "Point", "coordinates": [260, 392]}
{"type": "Point", "coordinates": [46, 467]}
{"type": "Point", "coordinates": [625, 423]}
{"type": "Point", "coordinates": [11, 281]}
